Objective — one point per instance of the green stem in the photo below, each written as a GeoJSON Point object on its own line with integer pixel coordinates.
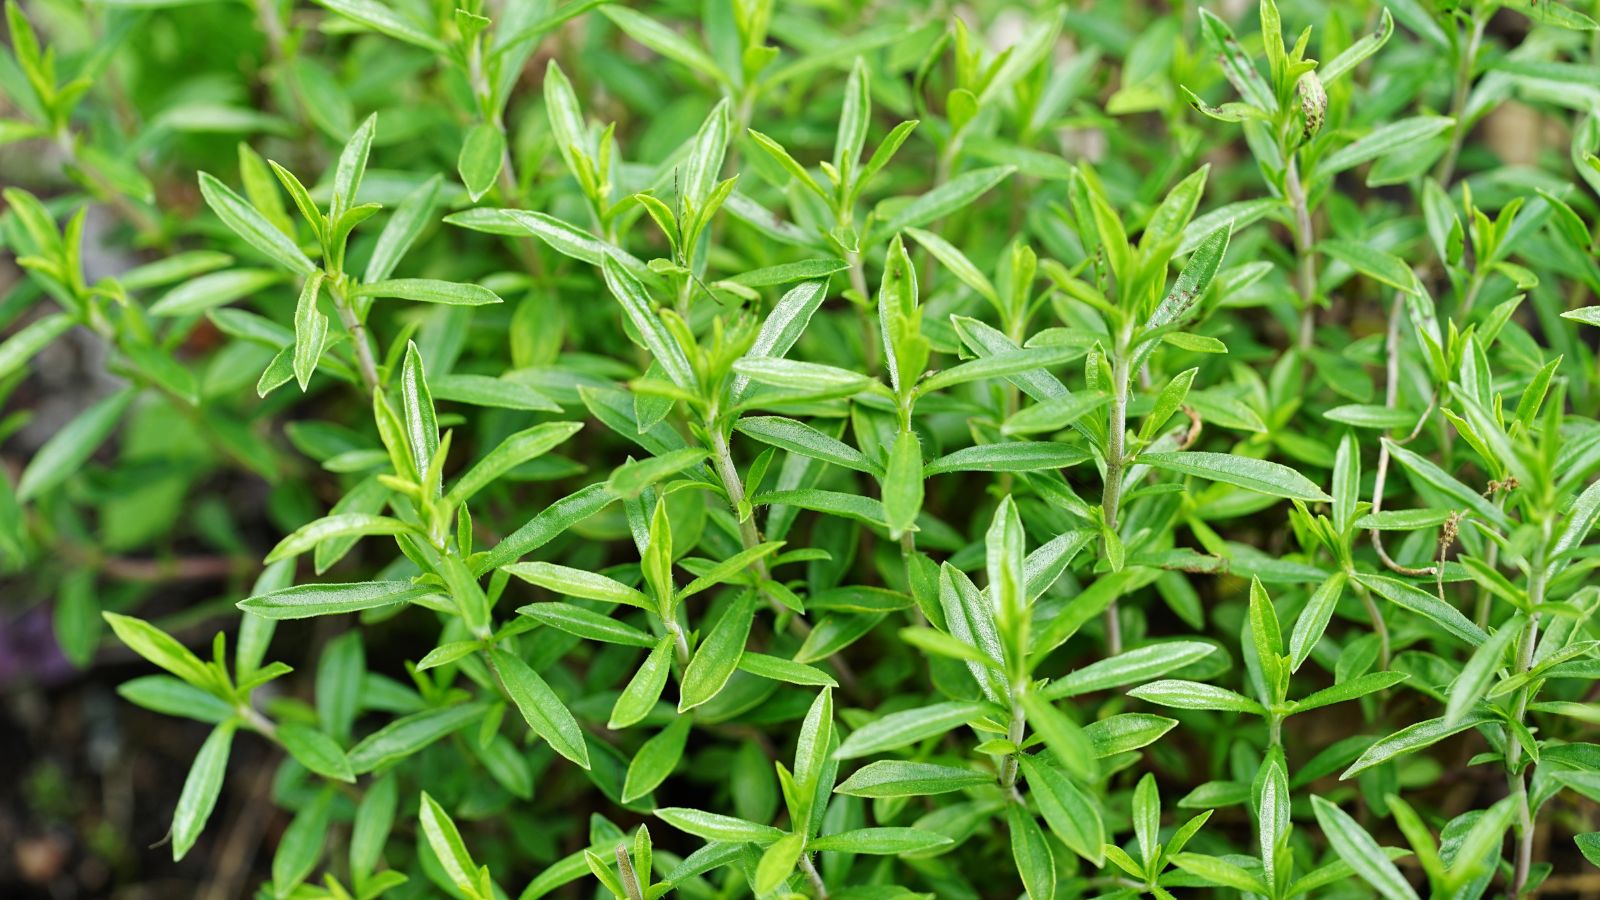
{"type": "Point", "coordinates": [1517, 777]}
{"type": "Point", "coordinates": [1458, 102]}
{"type": "Point", "coordinates": [1306, 261]}
{"type": "Point", "coordinates": [722, 456]}
{"type": "Point", "coordinates": [1379, 627]}
{"type": "Point", "coordinates": [630, 878]}
{"type": "Point", "coordinates": [1111, 498]}
{"type": "Point", "coordinates": [1014, 734]}
{"type": "Point", "coordinates": [365, 364]}
{"type": "Point", "coordinates": [813, 876]}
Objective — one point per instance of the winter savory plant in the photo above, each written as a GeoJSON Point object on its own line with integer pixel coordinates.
{"type": "Point", "coordinates": [740, 448]}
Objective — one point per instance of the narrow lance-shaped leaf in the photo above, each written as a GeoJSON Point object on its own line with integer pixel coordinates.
{"type": "Point", "coordinates": [718, 655]}
{"type": "Point", "coordinates": [541, 708]}
{"type": "Point", "coordinates": [200, 789]}
{"type": "Point", "coordinates": [71, 447]}
{"type": "Point", "coordinates": [1356, 847]}
{"type": "Point", "coordinates": [444, 839]}
{"type": "Point", "coordinates": [1242, 471]}
{"type": "Point", "coordinates": [253, 227]}
{"type": "Point", "coordinates": [641, 311]}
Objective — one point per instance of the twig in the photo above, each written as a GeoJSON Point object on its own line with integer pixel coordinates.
{"type": "Point", "coordinates": [1304, 238]}
{"type": "Point", "coordinates": [1111, 497]}
{"type": "Point", "coordinates": [1458, 102]}
{"type": "Point", "coordinates": [358, 334]}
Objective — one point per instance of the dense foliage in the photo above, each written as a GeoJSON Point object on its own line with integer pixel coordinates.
{"type": "Point", "coordinates": [830, 450]}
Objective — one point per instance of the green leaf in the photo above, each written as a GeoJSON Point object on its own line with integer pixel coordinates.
{"type": "Point", "coordinates": [1126, 731]}
{"type": "Point", "coordinates": [1017, 456]}
{"type": "Point", "coordinates": [430, 290]}
{"type": "Point", "coordinates": [958, 264]}
{"type": "Point", "coordinates": [1480, 670]}
{"type": "Point", "coordinates": [541, 708]}
{"type": "Point", "coordinates": [718, 655]}
{"type": "Point", "coordinates": [1054, 415]}
{"type": "Point", "coordinates": [955, 194]}
{"type": "Point", "coordinates": [1381, 267]}
{"type": "Point", "coordinates": [880, 841]}
{"type": "Point", "coordinates": [310, 331]}
{"type": "Point", "coordinates": [1070, 747]}
{"type": "Point", "coordinates": [1313, 620]}
{"type": "Point", "coordinates": [902, 484]}
{"type": "Point", "coordinates": [811, 754]}
{"type": "Point", "coordinates": [162, 649]}
{"type": "Point", "coordinates": [586, 624]}
{"type": "Point", "coordinates": [69, 449]}
{"type": "Point", "coordinates": [316, 751]}
{"type": "Point", "coordinates": [907, 727]}
{"type": "Point", "coordinates": [798, 437]}
{"type": "Point", "coordinates": [23, 345]}
{"type": "Point", "coordinates": [1214, 870]}
{"type": "Point", "coordinates": [1382, 141]}
{"type": "Point", "coordinates": [374, 819]}
{"type": "Point", "coordinates": [515, 450]}
{"type": "Point", "coordinates": [445, 841]}
{"type": "Point", "coordinates": [480, 159]}
{"type": "Point", "coordinates": [501, 393]}
{"type": "Point", "coordinates": [332, 599]}
{"type": "Point", "coordinates": [639, 696]}
{"type": "Point", "coordinates": [386, 19]}
{"type": "Point", "coordinates": [249, 224]}
{"type": "Point", "coordinates": [1357, 52]}
{"type": "Point", "coordinates": [172, 697]}
{"type": "Point", "coordinates": [778, 862]}
{"type": "Point", "coordinates": [579, 583]}
{"type": "Point", "coordinates": [1366, 416]}
{"type": "Point", "coordinates": [655, 759]}
{"type": "Point", "coordinates": [715, 827]}
{"type": "Point", "coordinates": [200, 789]}
{"type": "Point", "coordinates": [783, 326]}
{"type": "Point", "coordinates": [1589, 846]}
{"type": "Point", "coordinates": [409, 734]}
{"type": "Point", "coordinates": [1360, 686]}
{"type": "Point", "coordinates": [212, 290]}
{"type": "Point", "coordinates": [1241, 471]}
{"type": "Point", "coordinates": [1425, 604]}
{"type": "Point", "coordinates": [789, 273]}
{"type": "Point", "coordinates": [663, 40]}
{"type": "Point", "coordinates": [802, 378]}
{"type": "Point", "coordinates": [1068, 809]}
{"type": "Point", "coordinates": [405, 225]}
{"type": "Point", "coordinates": [308, 536]}
{"type": "Point", "coordinates": [1031, 852]}
{"type": "Point", "coordinates": [1006, 364]}
{"type": "Point", "coordinates": [776, 668]}
{"type": "Point", "coordinates": [302, 843]}
{"type": "Point", "coordinates": [727, 570]}
{"type": "Point", "coordinates": [1167, 403]}
{"type": "Point", "coordinates": [854, 117]}
{"type": "Point", "coordinates": [641, 312]}
{"type": "Point", "coordinates": [631, 478]}
{"type": "Point", "coordinates": [1579, 520]}
{"type": "Point", "coordinates": [1180, 694]}
{"type": "Point", "coordinates": [894, 778]}
{"type": "Point", "coordinates": [1131, 666]}
{"type": "Point", "coordinates": [1430, 474]}
{"type": "Point", "coordinates": [1357, 848]}
{"type": "Point", "coordinates": [1409, 740]}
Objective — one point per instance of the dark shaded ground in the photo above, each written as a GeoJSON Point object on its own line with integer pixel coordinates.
{"type": "Point", "coordinates": [90, 781]}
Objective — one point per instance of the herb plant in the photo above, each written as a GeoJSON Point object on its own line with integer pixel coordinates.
{"type": "Point", "coordinates": [827, 450]}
